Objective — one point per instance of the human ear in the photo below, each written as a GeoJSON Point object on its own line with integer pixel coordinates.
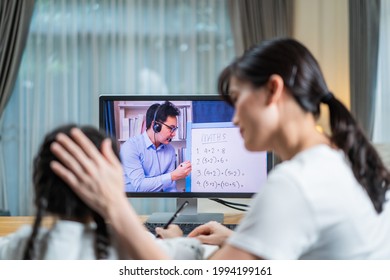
{"type": "Point", "coordinates": [275, 87]}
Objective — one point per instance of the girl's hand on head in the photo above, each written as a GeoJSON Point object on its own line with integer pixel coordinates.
{"type": "Point", "coordinates": [95, 176]}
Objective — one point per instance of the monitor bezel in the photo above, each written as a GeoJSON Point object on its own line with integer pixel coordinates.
{"type": "Point", "coordinates": [160, 98]}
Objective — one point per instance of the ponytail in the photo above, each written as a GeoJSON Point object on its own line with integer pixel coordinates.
{"type": "Point", "coordinates": [102, 238]}
{"type": "Point", "coordinates": [29, 251]}
{"type": "Point", "coordinates": [366, 164]}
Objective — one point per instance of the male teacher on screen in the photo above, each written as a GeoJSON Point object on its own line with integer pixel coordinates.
{"type": "Point", "coordinates": [149, 159]}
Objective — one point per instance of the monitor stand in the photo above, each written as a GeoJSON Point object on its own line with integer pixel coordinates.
{"type": "Point", "coordinates": [188, 215]}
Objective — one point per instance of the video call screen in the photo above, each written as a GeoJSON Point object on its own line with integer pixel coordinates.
{"type": "Point", "coordinates": [205, 136]}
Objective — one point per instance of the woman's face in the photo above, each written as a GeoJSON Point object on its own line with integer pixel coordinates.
{"type": "Point", "coordinates": [255, 115]}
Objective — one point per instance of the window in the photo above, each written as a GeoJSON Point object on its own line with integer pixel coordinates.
{"type": "Point", "coordinates": [77, 50]}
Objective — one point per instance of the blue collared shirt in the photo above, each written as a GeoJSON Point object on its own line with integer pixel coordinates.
{"type": "Point", "coordinates": [147, 169]}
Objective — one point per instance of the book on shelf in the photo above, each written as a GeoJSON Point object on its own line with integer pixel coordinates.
{"type": "Point", "coordinates": [125, 131]}
{"type": "Point", "coordinates": [139, 124]}
{"type": "Point", "coordinates": [180, 155]}
{"type": "Point", "coordinates": [182, 124]}
{"type": "Point", "coordinates": [132, 126]}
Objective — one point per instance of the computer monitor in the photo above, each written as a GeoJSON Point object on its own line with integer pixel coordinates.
{"type": "Point", "coordinates": [221, 166]}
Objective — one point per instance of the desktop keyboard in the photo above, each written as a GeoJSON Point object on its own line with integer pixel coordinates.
{"type": "Point", "coordinates": [185, 227]}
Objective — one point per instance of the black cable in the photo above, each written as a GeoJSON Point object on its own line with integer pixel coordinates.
{"type": "Point", "coordinates": [230, 204]}
{"type": "Point", "coordinates": [234, 207]}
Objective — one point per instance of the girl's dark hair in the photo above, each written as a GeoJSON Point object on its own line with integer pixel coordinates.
{"type": "Point", "coordinates": [303, 77]}
{"type": "Point", "coordinates": [54, 196]}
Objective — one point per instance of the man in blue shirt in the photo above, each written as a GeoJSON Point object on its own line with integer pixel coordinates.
{"type": "Point", "coordinates": [149, 159]}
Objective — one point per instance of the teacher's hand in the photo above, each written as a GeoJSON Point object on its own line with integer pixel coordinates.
{"type": "Point", "coordinates": [181, 171]}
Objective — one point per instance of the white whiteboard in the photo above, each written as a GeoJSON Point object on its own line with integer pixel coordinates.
{"type": "Point", "coordinates": [220, 162]}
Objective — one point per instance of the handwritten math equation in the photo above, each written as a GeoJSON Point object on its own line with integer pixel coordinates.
{"type": "Point", "coordinates": [221, 163]}
{"type": "Point", "coordinates": [215, 169]}
{"type": "Point", "coordinates": [227, 172]}
{"type": "Point", "coordinates": [207, 184]}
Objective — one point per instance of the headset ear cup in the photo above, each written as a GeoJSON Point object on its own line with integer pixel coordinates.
{"type": "Point", "coordinates": [156, 127]}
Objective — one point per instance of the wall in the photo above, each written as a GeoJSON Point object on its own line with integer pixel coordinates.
{"type": "Point", "coordinates": [323, 27]}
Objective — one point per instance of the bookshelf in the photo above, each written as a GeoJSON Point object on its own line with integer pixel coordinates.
{"type": "Point", "coordinates": [131, 119]}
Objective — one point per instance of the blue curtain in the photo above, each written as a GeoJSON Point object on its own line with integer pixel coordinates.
{"type": "Point", "coordinates": [211, 111]}
{"type": "Point", "coordinates": [109, 118]}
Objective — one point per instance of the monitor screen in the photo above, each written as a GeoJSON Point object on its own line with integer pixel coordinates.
{"type": "Point", "coordinates": [203, 135]}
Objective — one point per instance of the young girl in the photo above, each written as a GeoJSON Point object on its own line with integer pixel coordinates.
{"type": "Point", "coordinates": [326, 200]}
{"type": "Point", "coordinates": [78, 232]}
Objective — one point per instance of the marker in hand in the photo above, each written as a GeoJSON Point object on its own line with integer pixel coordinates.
{"type": "Point", "coordinates": [174, 216]}
{"type": "Point", "coordinates": [184, 164]}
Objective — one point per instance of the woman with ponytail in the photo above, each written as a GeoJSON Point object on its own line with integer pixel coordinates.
{"type": "Point", "coordinates": [326, 200]}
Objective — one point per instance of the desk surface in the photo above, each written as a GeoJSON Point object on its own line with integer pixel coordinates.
{"type": "Point", "coordinates": [11, 224]}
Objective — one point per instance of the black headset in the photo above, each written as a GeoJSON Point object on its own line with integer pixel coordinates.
{"type": "Point", "coordinates": [156, 126]}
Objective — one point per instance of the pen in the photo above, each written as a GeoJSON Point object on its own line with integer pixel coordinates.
{"type": "Point", "coordinates": [175, 215]}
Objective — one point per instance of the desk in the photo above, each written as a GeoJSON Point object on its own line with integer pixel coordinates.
{"type": "Point", "coordinates": [10, 224]}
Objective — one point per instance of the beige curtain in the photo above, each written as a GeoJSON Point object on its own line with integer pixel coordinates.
{"type": "Point", "coordinates": [364, 17]}
{"type": "Point", "coordinates": [256, 20]}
